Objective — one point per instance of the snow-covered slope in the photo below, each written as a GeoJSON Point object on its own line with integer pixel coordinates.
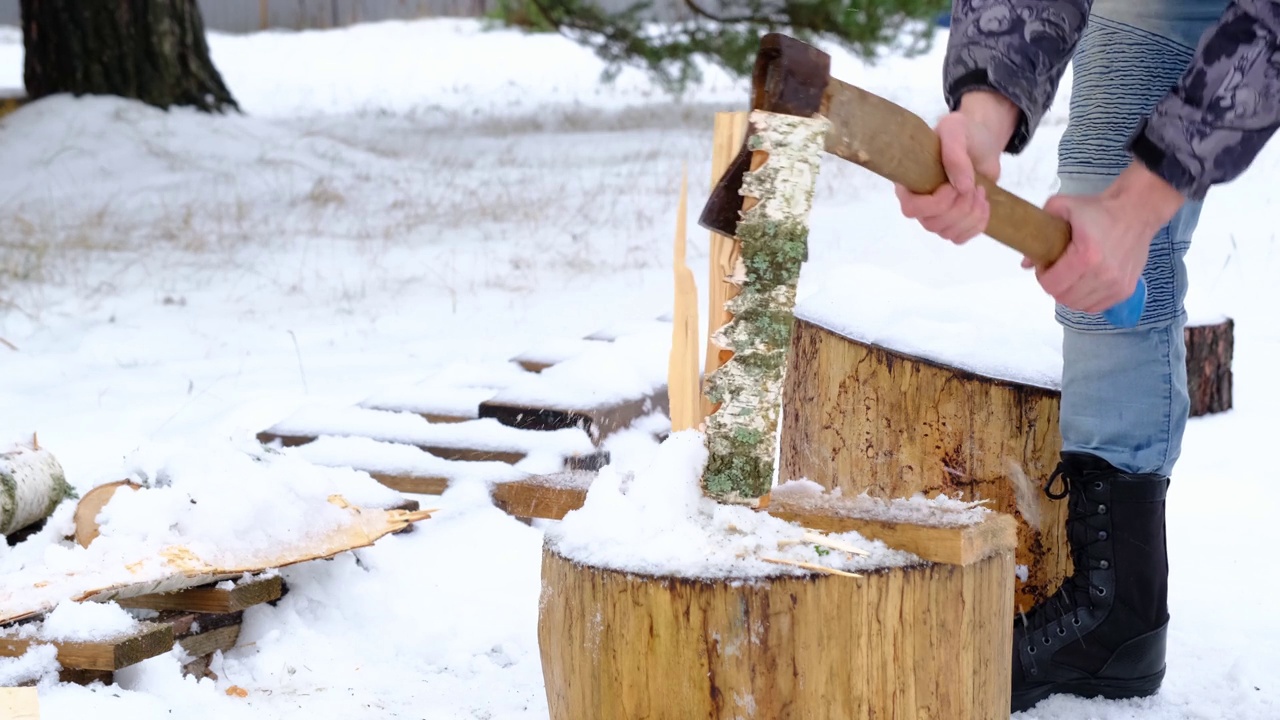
{"type": "Point", "coordinates": [405, 197]}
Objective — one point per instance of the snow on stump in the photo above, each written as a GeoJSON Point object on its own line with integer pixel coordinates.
{"type": "Point", "coordinates": [32, 484]}
{"type": "Point", "coordinates": [869, 419]}
{"type": "Point", "coordinates": [658, 602]}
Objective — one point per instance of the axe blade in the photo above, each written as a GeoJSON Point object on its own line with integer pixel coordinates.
{"type": "Point", "coordinates": [789, 77]}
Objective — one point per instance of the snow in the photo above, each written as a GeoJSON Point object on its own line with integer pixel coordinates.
{"type": "Point", "coordinates": [657, 522]}
{"type": "Point", "coordinates": [87, 622]}
{"type": "Point", "coordinates": [381, 218]}
{"type": "Point", "coordinates": [940, 511]}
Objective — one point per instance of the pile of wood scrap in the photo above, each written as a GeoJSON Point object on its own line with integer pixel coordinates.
{"type": "Point", "coordinates": [546, 410]}
{"type": "Point", "coordinates": [181, 589]}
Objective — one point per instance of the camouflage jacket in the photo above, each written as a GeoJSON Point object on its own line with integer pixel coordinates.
{"type": "Point", "coordinates": [1206, 130]}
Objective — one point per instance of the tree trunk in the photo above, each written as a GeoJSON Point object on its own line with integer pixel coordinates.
{"type": "Point", "coordinates": [148, 50]}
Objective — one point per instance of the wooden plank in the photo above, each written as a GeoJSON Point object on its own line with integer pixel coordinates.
{"type": "Point", "coordinates": [549, 497]}
{"type": "Point", "coordinates": [416, 484]}
{"type": "Point", "coordinates": [20, 703]}
{"type": "Point", "coordinates": [510, 456]}
{"type": "Point", "coordinates": [683, 394]}
{"type": "Point", "coordinates": [598, 422]}
{"type": "Point", "coordinates": [961, 545]}
{"type": "Point", "coordinates": [211, 599]}
{"type": "Point", "coordinates": [729, 129]}
{"type": "Point", "coordinates": [553, 497]}
{"type": "Point", "coordinates": [11, 103]}
{"type": "Point", "coordinates": [150, 640]}
{"type": "Point", "coordinates": [207, 643]}
{"type": "Point", "coordinates": [187, 624]}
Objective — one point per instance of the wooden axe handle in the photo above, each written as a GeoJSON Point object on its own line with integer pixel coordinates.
{"type": "Point", "coordinates": [898, 145]}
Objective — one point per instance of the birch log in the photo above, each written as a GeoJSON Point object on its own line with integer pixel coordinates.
{"type": "Point", "coordinates": [741, 434]}
{"type": "Point", "coordinates": [31, 486]}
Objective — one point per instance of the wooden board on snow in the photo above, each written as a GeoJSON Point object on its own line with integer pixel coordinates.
{"type": "Point", "coordinates": [20, 703]}
{"type": "Point", "coordinates": [597, 421]}
{"type": "Point", "coordinates": [178, 568]}
{"type": "Point", "coordinates": [211, 599]}
{"type": "Point", "coordinates": [150, 640]}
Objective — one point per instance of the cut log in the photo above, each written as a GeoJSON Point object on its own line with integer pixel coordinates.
{"type": "Point", "coordinates": [884, 423]}
{"type": "Point", "coordinates": [32, 484]}
{"type": "Point", "coordinates": [741, 433]}
{"type": "Point", "coordinates": [148, 641]}
{"type": "Point", "coordinates": [86, 515]}
{"type": "Point", "coordinates": [1209, 353]}
{"type": "Point", "coordinates": [211, 599]}
{"type": "Point", "coordinates": [929, 640]}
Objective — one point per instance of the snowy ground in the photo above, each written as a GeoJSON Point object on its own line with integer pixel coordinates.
{"type": "Point", "coordinates": [404, 197]}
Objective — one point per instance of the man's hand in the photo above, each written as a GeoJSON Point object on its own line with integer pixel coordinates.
{"type": "Point", "coordinates": [972, 139]}
{"type": "Point", "coordinates": [1110, 237]}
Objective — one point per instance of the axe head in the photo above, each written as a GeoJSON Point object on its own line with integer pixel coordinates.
{"type": "Point", "coordinates": [789, 77]}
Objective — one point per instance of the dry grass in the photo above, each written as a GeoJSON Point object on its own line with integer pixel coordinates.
{"type": "Point", "coordinates": [501, 204]}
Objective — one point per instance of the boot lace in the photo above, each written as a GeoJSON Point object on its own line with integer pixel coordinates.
{"type": "Point", "coordinates": [1075, 592]}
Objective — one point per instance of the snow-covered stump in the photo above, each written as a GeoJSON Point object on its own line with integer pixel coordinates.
{"type": "Point", "coordinates": [773, 232]}
{"type": "Point", "coordinates": [31, 486]}
{"type": "Point", "coordinates": [869, 419]}
{"type": "Point", "coordinates": [658, 602]}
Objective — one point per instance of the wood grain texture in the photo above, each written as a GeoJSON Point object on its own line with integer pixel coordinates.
{"type": "Point", "coordinates": [598, 421]}
{"type": "Point", "coordinates": [150, 640]}
{"type": "Point", "coordinates": [729, 131]}
{"type": "Point", "coordinates": [898, 145]}
{"type": "Point", "coordinates": [929, 641]}
{"type": "Point", "coordinates": [1210, 349]}
{"type": "Point", "coordinates": [890, 425]}
{"type": "Point", "coordinates": [20, 703]}
{"type": "Point", "coordinates": [683, 394]}
{"type": "Point", "coordinates": [207, 643]}
{"type": "Point", "coordinates": [211, 599]}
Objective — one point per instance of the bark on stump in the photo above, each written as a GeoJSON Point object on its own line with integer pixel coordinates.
{"type": "Point", "coordinates": [773, 231]}
{"type": "Point", "coordinates": [149, 50]}
{"type": "Point", "coordinates": [926, 641]}
{"type": "Point", "coordinates": [1209, 354]}
{"type": "Point", "coordinates": [865, 419]}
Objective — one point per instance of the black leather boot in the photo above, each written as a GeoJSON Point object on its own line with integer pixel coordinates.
{"type": "Point", "coordinates": [1103, 633]}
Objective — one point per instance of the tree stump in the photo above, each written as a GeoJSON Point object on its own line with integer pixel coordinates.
{"type": "Point", "coordinates": [865, 419]}
{"type": "Point", "coordinates": [922, 641]}
{"type": "Point", "coordinates": [1209, 353]}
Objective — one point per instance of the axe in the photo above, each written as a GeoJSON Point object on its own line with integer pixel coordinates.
{"type": "Point", "coordinates": [791, 77]}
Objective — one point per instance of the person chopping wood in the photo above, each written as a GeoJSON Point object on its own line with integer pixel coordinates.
{"type": "Point", "coordinates": [1169, 97]}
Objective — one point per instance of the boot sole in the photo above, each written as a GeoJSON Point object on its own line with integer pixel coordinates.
{"type": "Point", "coordinates": [1111, 689]}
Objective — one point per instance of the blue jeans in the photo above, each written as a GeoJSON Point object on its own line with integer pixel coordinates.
{"type": "Point", "coordinates": [1124, 392]}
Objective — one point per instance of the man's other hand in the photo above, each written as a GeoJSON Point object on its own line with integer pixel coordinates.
{"type": "Point", "coordinates": [1111, 235]}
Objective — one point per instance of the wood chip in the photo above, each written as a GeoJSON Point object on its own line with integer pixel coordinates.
{"type": "Point", "coordinates": [842, 546]}
{"type": "Point", "coordinates": [810, 566]}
